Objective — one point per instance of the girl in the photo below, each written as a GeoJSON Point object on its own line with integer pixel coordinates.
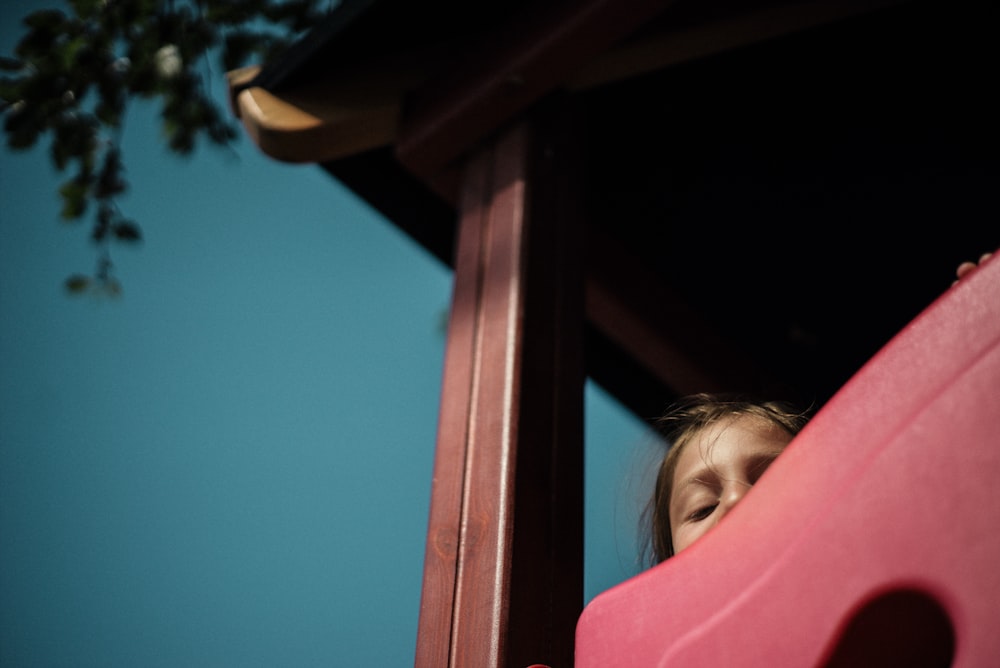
{"type": "Point", "coordinates": [719, 446]}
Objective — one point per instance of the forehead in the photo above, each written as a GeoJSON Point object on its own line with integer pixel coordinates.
{"type": "Point", "coordinates": [730, 440]}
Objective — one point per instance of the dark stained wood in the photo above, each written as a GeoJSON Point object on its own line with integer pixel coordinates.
{"type": "Point", "coordinates": [494, 202]}
{"type": "Point", "coordinates": [508, 69]}
{"type": "Point", "coordinates": [690, 358]}
{"type": "Point", "coordinates": [547, 565]}
{"type": "Point", "coordinates": [438, 597]}
{"type": "Point", "coordinates": [506, 512]}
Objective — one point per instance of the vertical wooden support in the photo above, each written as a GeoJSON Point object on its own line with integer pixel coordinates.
{"type": "Point", "coordinates": [503, 573]}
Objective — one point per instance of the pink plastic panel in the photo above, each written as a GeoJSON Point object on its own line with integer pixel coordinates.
{"type": "Point", "coordinates": [873, 540]}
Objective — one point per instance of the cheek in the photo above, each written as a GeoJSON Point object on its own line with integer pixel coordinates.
{"type": "Point", "coordinates": [686, 534]}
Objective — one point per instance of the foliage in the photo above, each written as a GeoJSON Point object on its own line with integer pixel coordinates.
{"type": "Point", "coordinates": [74, 73]}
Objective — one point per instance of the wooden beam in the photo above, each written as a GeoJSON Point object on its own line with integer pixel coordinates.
{"type": "Point", "coordinates": [505, 528]}
{"type": "Point", "coordinates": [680, 38]}
{"type": "Point", "coordinates": [658, 329]}
{"type": "Point", "coordinates": [353, 110]}
{"type": "Point", "coordinates": [507, 71]}
{"type": "Point", "coordinates": [547, 568]}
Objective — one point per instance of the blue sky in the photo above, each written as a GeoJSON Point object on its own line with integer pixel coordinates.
{"type": "Point", "coordinates": [229, 465]}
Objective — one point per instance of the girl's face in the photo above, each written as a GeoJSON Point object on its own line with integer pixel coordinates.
{"type": "Point", "coordinates": [716, 469]}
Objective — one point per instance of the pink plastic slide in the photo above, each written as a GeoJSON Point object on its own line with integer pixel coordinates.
{"type": "Point", "coordinates": [873, 540]}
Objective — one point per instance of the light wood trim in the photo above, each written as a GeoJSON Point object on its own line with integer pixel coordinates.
{"type": "Point", "coordinates": [346, 112]}
{"type": "Point", "coordinates": [312, 129]}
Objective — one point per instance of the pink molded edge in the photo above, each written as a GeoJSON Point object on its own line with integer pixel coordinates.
{"type": "Point", "coordinates": [891, 487]}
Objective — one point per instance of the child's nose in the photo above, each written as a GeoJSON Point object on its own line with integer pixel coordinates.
{"type": "Point", "coordinates": [732, 493]}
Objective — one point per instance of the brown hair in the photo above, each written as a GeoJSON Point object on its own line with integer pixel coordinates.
{"type": "Point", "coordinates": [679, 425]}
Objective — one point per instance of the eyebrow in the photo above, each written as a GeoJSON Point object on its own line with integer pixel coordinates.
{"type": "Point", "coordinates": [762, 460]}
{"type": "Point", "coordinates": [698, 477]}
{"type": "Point", "coordinates": [755, 462]}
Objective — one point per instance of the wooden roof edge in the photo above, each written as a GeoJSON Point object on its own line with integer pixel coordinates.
{"type": "Point", "coordinates": [312, 133]}
{"type": "Point", "coordinates": [351, 111]}
{"type": "Point", "coordinates": [511, 66]}
{"type": "Point", "coordinates": [673, 44]}
{"type": "Point", "coordinates": [325, 120]}
{"type": "Point", "coordinates": [586, 45]}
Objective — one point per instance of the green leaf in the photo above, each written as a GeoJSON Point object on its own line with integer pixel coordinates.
{"type": "Point", "coordinates": [110, 181]}
{"type": "Point", "coordinates": [239, 46]}
{"type": "Point", "coordinates": [201, 36]}
{"type": "Point", "coordinates": [127, 231]}
{"type": "Point", "coordinates": [10, 89]}
{"type": "Point", "coordinates": [46, 19]}
{"type": "Point", "coordinates": [73, 208]}
{"type": "Point", "coordinates": [299, 15]}
{"type": "Point", "coordinates": [8, 64]}
{"type": "Point", "coordinates": [75, 137]}
{"type": "Point", "coordinates": [22, 127]}
{"type": "Point", "coordinates": [182, 141]}
{"type": "Point", "coordinates": [75, 54]}
{"type": "Point", "coordinates": [100, 232]}
{"type": "Point", "coordinates": [74, 197]}
{"type": "Point", "coordinates": [88, 8]}
{"type": "Point", "coordinates": [112, 46]}
{"type": "Point", "coordinates": [109, 113]}
{"type": "Point", "coordinates": [44, 31]}
{"type": "Point", "coordinates": [222, 133]}
{"type": "Point", "coordinates": [106, 213]}
{"type": "Point", "coordinates": [231, 13]}
{"type": "Point", "coordinates": [77, 284]}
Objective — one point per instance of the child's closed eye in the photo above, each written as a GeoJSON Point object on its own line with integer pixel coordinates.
{"type": "Point", "coordinates": [701, 513]}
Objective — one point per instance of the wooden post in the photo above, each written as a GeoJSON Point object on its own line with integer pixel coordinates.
{"type": "Point", "coordinates": [503, 573]}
